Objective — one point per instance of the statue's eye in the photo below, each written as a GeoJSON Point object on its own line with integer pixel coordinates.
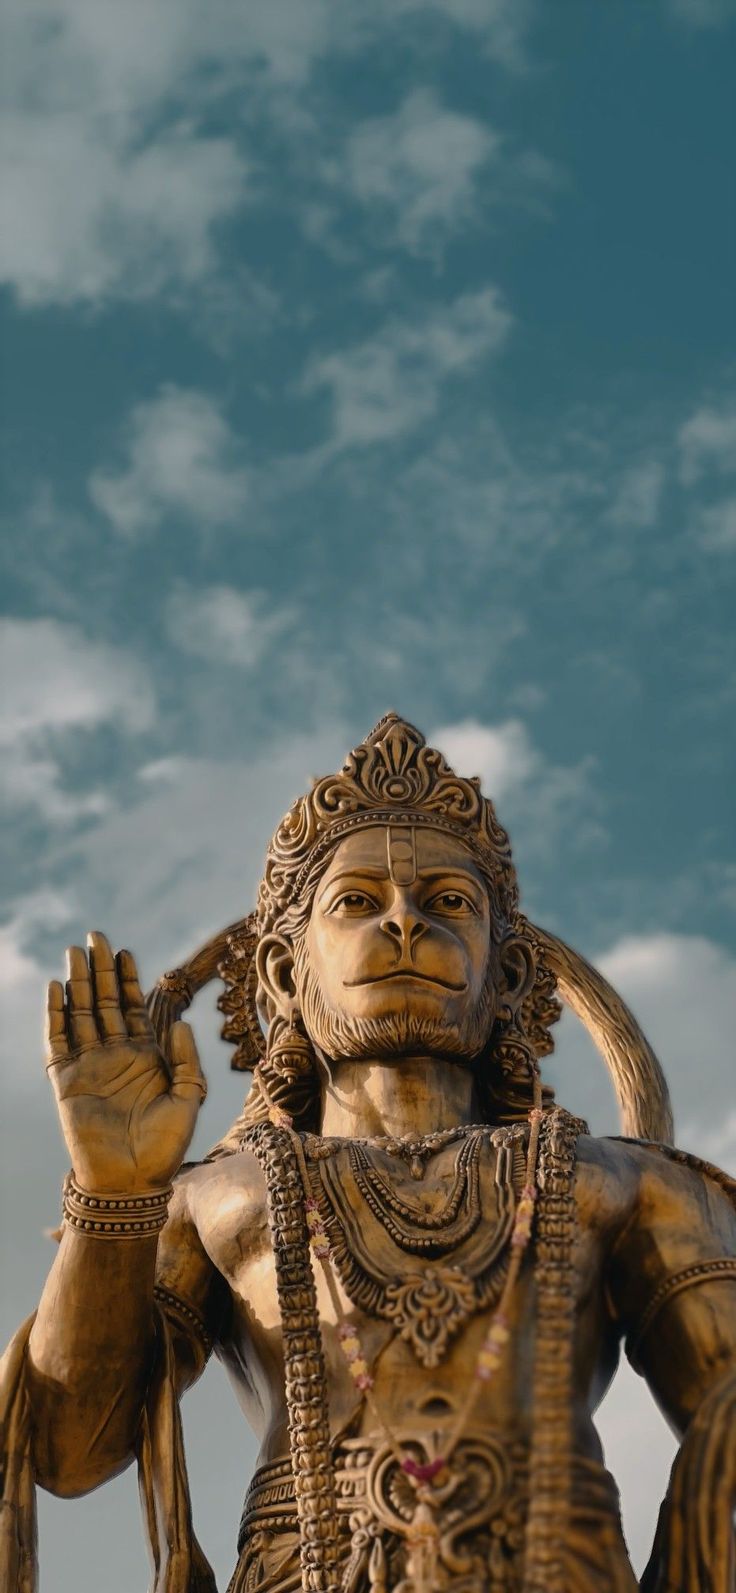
{"type": "Point", "coordinates": [450, 902]}
{"type": "Point", "coordinates": [353, 902]}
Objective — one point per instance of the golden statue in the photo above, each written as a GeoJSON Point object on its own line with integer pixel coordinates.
{"type": "Point", "coordinates": [417, 1268]}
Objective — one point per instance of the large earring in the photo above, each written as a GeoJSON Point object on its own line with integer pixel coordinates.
{"type": "Point", "coordinates": [513, 1051]}
{"type": "Point", "coordinates": [289, 1050]}
{"type": "Point", "coordinates": [520, 1088]}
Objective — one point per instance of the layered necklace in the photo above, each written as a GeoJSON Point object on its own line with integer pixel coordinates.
{"type": "Point", "coordinates": [427, 1266]}
{"type": "Point", "coordinates": [422, 1534]}
{"type": "Point", "coordinates": [412, 1227]}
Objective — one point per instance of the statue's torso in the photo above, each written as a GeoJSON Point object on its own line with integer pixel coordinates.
{"type": "Point", "coordinates": [423, 1355]}
{"type": "Point", "coordinates": [417, 1388]}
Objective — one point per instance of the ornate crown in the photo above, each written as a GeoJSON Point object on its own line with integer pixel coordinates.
{"type": "Point", "coordinates": [393, 777]}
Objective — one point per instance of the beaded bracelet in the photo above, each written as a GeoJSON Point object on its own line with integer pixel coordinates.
{"type": "Point", "coordinates": [115, 1216]}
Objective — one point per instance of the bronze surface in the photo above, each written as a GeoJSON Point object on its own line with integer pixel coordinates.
{"type": "Point", "coordinates": [406, 1002]}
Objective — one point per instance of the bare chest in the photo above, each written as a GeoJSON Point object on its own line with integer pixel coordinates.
{"type": "Point", "coordinates": [419, 1253]}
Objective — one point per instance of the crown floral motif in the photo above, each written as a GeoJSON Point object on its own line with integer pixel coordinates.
{"type": "Point", "coordinates": [392, 777]}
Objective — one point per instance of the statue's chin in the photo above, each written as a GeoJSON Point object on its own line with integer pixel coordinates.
{"type": "Point", "coordinates": [401, 1032]}
{"type": "Point", "coordinates": [391, 1039]}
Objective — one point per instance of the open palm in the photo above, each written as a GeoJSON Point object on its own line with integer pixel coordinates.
{"type": "Point", "coordinates": [126, 1113]}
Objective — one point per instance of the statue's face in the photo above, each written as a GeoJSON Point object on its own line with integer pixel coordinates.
{"type": "Point", "coordinates": [397, 955]}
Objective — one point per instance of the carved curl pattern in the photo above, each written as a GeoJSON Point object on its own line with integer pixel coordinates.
{"type": "Point", "coordinates": [542, 1007]}
{"type": "Point", "coordinates": [237, 971]}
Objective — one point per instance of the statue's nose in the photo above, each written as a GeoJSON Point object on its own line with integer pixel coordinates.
{"type": "Point", "coordinates": [404, 927]}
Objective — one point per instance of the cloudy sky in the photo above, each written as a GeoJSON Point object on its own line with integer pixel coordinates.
{"type": "Point", "coordinates": [364, 356]}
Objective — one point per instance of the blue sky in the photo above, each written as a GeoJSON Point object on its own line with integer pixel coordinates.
{"type": "Point", "coordinates": [361, 357]}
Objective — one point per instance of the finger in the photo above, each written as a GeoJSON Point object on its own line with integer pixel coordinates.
{"type": "Point", "coordinates": [57, 1044]}
{"type": "Point", "coordinates": [105, 988]}
{"type": "Point", "coordinates": [188, 1082]}
{"type": "Point", "coordinates": [132, 1000]}
{"type": "Point", "coordinates": [82, 1024]}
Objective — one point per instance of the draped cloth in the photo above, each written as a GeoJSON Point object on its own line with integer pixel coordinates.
{"type": "Point", "coordinates": [18, 1527]}
{"type": "Point", "coordinates": [179, 1565]}
{"type": "Point", "coordinates": [693, 1550]}
{"type": "Point", "coordinates": [695, 1544]}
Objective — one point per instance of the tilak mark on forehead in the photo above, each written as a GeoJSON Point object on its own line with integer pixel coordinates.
{"type": "Point", "coordinates": [401, 848]}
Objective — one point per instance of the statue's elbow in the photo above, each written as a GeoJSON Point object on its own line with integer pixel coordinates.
{"type": "Point", "coordinates": [73, 1476]}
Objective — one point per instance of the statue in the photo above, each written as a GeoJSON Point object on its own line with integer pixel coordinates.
{"type": "Point", "coordinates": [416, 1266]}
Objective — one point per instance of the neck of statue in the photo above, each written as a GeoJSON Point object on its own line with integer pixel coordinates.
{"type": "Point", "coordinates": [410, 1096]}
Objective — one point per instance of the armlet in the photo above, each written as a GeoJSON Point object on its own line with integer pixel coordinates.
{"type": "Point", "coordinates": [686, 1278]}
{"type": "Point", "coordinates": [184, 1317]}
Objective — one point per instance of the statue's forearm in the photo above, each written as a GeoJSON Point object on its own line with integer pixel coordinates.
{"type": "Point", "coordinates": [89, 1359]}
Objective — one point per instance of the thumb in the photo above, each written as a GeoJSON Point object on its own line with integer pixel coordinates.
{"type": "Point", "coordinates": [187, 1079]}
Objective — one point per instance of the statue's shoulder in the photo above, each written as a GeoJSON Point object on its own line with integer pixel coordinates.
{"type": "Point", "coordinates": [206, 1190]}
{"type": "Point", "coordinates": [680, 1168]}
{"type": "Point", "coordinates": [672, 1192]}
{"type": "Point", "coordinates": [607, 1182]}
{"type": "Point", "coordinates": [620, 1178]}
{"type": "Point", "coordinates": [645, 1160]}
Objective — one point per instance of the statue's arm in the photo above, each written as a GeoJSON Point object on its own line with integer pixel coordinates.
{"type": "Point", "coordinates": [127, 1116]}
{"type": "Point", "coordinates": [94, 1340]}
{"type": "Point", "coordinates": [672, 1282]}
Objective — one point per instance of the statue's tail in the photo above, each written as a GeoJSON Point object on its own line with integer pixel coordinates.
{"type": "Point", "coordinates": [640, 1084]}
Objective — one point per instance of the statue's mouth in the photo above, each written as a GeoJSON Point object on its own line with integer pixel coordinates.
{"type": "Point", "coordinates": [406, 973]}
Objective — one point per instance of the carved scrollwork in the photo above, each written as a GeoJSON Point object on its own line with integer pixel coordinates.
{"type": "Point", "coordinates": [237, 971]}
{"type": "Point", "coordinates": [478, 1512]}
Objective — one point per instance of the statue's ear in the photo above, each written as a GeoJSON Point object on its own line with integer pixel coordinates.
{"type": "Point", "coordinates": [275, 969]}
{"type": "Point", "coordinates": [518, 970]}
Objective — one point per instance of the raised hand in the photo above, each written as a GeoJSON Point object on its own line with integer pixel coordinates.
{"type": "Point", "coordinates": [127, 1115]}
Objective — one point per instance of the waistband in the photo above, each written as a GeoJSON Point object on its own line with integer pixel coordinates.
{"type": "Point", "coordinates": [487, 1489]}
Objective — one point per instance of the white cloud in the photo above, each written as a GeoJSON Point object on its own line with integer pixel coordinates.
{"type": "Point", "coordinates": [716, 1142]}
{"type": "Point", "coordinates": [500, 25]}
{"type": "Point", "coordinates": [223, 625]}
{"type": "Point", "coordinates": [22, 980]}
{"type": "Point", "coordinates": [59, 681]}
{"type": "Point", "coordinates": [707, 443]}
{"type": "Point", "coordinates": [537, 799]}
{"type": "Point", "coordinates": [125, 62]}
{"type": "Point", "coordinates": [110, 186]}
{"type": "Point", "coordinates": [88, 214]}
{"type": "Point", "coordinates": [502, 755]}
{"type": "Point", "coordinates": [682, 989]}
{"type": "Point", "coordinates": [30, 781]}
{"type": "Point", "coordinates": [42, 910]}
{"type": "Point", "coordinates": [420, 165]}
{"type": "Point", "coordinates": [388, 385]}
{"type": "Point", "coordinates": [163, 771]}
{"type": "Point", "coordinates": [702, 13]}
{"type": "Point", "coordinates": [424, 170]}
{"type": "Point", "coordinates": [182, 458]}
{"type": "Point", "coordinates": [639, 1449]}
{"type": "Point", "coordinates": [717, 526]}
{"type": "Point", "coordinates": [197, 836]}
{"type": "Point", "coordinates": [637, 495]}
